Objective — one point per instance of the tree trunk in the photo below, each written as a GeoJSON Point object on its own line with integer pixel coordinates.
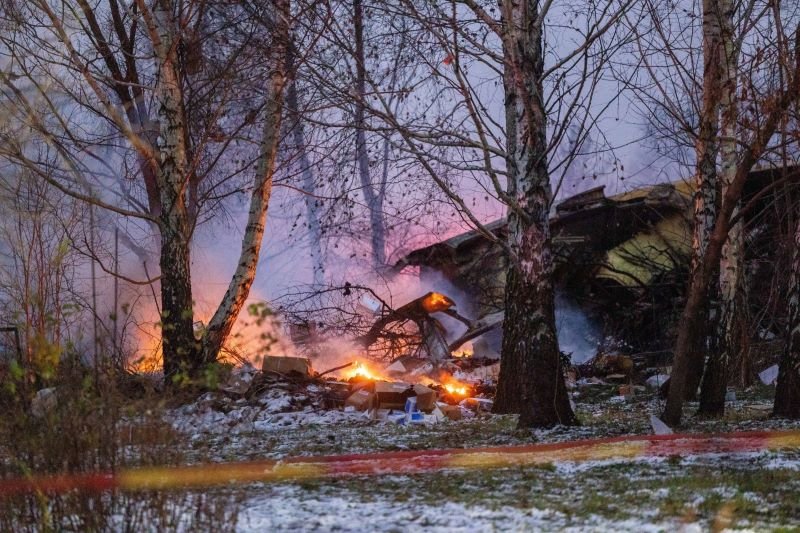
{"type": "Point", "coordinates": [686, 373]}
{"type": "Point", "coordinates": [531, 380]}
{"type": "Point", "coordinates": [221, 324]}
{"type": "Point", "coordinates": [179, 346]}
{"type": "Point", "coordinates": [787, 391]}
{"type": "Point", "coordinates": [727, 343]}
{"type": "Point", "coordinates": [701, 277]}
{"type": "Point", "coordinates": [373, 200]}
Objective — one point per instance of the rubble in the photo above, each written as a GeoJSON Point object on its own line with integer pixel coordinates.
{"type": "Point", "coordinates": [410, 389]}
{"type": "Point", "coordinates": [240, 380]}
{"type": "Point", "coordinates": [360, 400]}
{"type": "Point", "coordinates": [287, 365]}
{"type": "Point", "coordinates": [478, 405]}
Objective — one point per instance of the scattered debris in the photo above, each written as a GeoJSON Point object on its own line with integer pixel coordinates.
{"type": "Point", "coordinates": [418, 311]}
{"type": "Point", "coordinates": [657, 380]}
{"type": "Point", "coordinates": [240, 380]}
{"type": "Point", "coordinates": [478, 405]}
{"type": "Point", "coordinates": [769, 376]}
{"type": "Point", "coordinates": [287, 365]}
{"type": "Point", "coordinates": [659, 427]}
{"type": "Point", "coordinates": [360, 400]}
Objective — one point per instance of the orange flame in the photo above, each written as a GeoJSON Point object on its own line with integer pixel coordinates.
{"type": "Point", "coordinates": [359, 369]}
{"type": "Point", "coordinates": [457, 389]}
{"type": "Point", "coordinates": [435, 301]}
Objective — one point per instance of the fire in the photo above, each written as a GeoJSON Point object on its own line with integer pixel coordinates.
{"type": "Point", "coordinates": [457, 389]}
{"type": "Point", "coordinates": [467, 350]}
{"type": "Point", "coordinates": [464, 352]}
{"type": "Point", "coordinates": [435, 301]}
{"type": "Point", "coordinates": [360, 370]}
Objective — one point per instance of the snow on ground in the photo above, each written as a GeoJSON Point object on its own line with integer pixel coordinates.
{"type": "Point", "coordinates": [611, 495]}
{"type": "Point", "coordinates": [644, 494]}
{"type": "Point", "coordinates": [276, 410]}
{"type": "Point", "coordinates": [290, 508]}
{"type": "Point", "coordinates": [282, 423]}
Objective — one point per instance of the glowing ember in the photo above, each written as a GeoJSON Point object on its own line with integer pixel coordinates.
{"type": "Point", "coordinates": [359, 370]}
{"type": "Point", "coordinates": [467, 350]}
{"type": "Point", "coordinates": [435, 301]}
{"type": "Point", "coordinates": [456, 389]}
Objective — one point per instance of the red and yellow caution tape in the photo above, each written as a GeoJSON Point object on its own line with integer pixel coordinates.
{"type": "Point", "coordinates": [405, 462]}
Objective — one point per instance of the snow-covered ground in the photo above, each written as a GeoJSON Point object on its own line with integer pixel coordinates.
{"type": "Point", "coordinates": [750, 490]}
{"type": "Point", "coordinates": [638, 495]}
{"type": "Point", "coordinates": [290, 508]}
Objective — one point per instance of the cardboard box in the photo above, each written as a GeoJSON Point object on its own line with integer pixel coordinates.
{"type": "Point", "coordinates": [360, 400]}
{"type": "Point", "coordinates": [452, 412]}
{"type": "Point", "coordinates": [426, 398]}
{"type": "Point", "coordinates": [392, 395]}
{"type": "Point", "coordinates": [287, 365]}
{"type": "Point", "coordinates": [479, 405]}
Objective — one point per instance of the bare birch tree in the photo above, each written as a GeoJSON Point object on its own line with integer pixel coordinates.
{"type": "Point", "coordinates": [139, 69]}
{"type": "Point", "coordinates": [728, 318]}
{"type": "Point", "coordinates": [760, 126]}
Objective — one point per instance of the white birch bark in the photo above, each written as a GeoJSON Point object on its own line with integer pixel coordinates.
{"type": "Point", "coordinates": [727, 320]}
{"type": "Point", "coordinates": [732, 260]}
{"type": "Point", "coordinates": [531, 378]}
{"type": "Point", "coordinates": [687, 374]}
{"type": "Point", "coordinates": [179, 347]}
{"type": "Point", "coordinates": [220, 325]}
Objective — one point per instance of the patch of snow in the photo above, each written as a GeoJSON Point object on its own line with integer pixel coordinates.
{"type": "Point", "coordinates": [290, 508]}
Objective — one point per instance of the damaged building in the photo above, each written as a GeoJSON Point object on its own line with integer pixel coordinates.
{"type": "Point", "coordinates": [622, 261]}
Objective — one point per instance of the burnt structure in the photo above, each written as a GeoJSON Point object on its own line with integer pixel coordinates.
{"type": "Point", "coordinates": [623, 259]}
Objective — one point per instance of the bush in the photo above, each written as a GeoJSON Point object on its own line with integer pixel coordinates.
{"type": "Point", "coordinates": [93, 427]}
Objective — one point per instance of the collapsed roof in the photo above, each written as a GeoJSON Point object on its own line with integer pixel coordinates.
{"type": "Point", "coordinates": [622, 258]}
{"type": "Point", "coordinates": [625, 238]}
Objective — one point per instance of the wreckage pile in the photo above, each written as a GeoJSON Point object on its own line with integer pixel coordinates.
{"type": "Point", "coordinates": [409, 390]}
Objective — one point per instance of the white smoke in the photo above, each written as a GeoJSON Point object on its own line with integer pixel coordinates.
{"type": "Point", "coordinates": [577, 334]}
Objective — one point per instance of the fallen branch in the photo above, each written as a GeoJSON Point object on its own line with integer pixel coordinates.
{"type": "Point", "coordinates": [478, 328]}
{"type": "Point", "coordinates": [334, 369]}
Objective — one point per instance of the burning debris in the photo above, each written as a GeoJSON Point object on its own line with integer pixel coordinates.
{"type": "Point", "coordinates": [419, 312]}
{"type": "Point", "coordinates": [431, 380]}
